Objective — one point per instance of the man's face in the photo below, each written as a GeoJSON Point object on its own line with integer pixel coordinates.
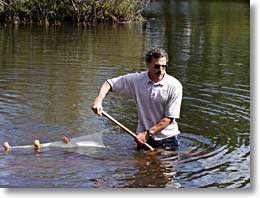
{"type": "Point", "coordinates": [157, 69]}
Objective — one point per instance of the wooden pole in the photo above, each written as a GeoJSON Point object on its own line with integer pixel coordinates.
{"type": "Point", "coordinates": [124, 127]}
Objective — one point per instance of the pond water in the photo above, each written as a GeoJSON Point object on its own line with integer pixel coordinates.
{"type": "Point", "coordinates": [49, 78]}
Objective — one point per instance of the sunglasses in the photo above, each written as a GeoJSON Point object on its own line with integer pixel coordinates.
{"type": "Point", "coordinates": [157, 66]}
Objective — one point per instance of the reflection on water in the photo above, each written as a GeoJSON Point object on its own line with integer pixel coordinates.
{"type": "Point", "coordinates": [49, 78]}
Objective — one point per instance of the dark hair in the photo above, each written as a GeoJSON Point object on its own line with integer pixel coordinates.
{"type": "Point", "coordinates": [156, 53]}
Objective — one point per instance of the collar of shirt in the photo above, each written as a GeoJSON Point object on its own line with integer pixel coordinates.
{"type": "Point", "coordinates": [162, 82]}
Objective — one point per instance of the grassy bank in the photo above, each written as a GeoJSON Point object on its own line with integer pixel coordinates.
{"type": "Point", "coordinates": [84, 12]}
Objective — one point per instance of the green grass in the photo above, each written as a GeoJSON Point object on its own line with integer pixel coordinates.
{"type": "Point", "coordinates": [75, 11]}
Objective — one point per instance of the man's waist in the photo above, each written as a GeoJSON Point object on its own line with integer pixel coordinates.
{"type": "Point", "coordinates": [162, 135]}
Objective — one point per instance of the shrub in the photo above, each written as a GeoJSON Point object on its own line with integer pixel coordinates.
{"type": "Point", "coordinates": [76, 11]}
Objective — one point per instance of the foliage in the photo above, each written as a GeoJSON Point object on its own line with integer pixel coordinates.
{"type": "Point", "coordinates": [78, 11]}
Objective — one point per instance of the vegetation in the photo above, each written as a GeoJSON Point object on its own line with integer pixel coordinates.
{"type": "Point", "coordinates": [83, 12]}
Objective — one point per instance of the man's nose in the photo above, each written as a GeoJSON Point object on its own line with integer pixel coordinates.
{"type": "Point", "coordinates": [162, 68]}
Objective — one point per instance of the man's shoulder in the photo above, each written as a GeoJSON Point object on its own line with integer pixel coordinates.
{"type": "Point", "coordinates": [137, 75]}
{"type": "Point", "coordinates": [140, 74]}
{"type": "Point", "coordinates": [129, 77]}
{"type": "Point", "coordinates": [172, 81]}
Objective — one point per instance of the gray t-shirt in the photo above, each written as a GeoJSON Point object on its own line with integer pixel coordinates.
{"type": "Point", "coordinates": [154, 101]}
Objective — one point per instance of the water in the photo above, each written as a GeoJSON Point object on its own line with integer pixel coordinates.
{"type": "Point", "coordinates": [50, 77]}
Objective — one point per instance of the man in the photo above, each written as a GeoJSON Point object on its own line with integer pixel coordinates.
{"type": "Point", "coordinates": [158, 99]}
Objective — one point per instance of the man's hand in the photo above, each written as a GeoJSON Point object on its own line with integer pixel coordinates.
{"type": "Point", "coordinates": [97, 104]}
{"type": "Point", "coordinates": [97, 107]}
{"type": "Point", "coordinates": [142, 137]}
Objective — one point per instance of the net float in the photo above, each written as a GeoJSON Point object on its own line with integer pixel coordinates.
{"type": "Point", "coordinates": [36, 145]}
{"type": "Point", "coordinates": [65, 139]}
{"type": "Point", "coordinates": [6, 146]}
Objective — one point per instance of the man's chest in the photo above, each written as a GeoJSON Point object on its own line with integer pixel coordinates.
{"type": "Point", "coordinates": [150, 93]}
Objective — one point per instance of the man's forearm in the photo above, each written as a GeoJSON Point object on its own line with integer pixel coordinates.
{"type": "Point", "coordinates": [162, 124]}
{"type": "Point", "coordinates": [103, 91]}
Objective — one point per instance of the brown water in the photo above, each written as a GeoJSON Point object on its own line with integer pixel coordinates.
{"type": "Point", "coordinates": [49, 78]}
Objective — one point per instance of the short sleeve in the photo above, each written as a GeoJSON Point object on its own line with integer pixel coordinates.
{"type": "Point", "coordinates": [173, 105]}
{"type": "Point", "coordinates": [122, 84]}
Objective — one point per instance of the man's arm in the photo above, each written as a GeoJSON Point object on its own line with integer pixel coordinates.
{"type": "Point", "coordinates": [162, 124]}
{"type": "Point", "coordinates": [103, 91]}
